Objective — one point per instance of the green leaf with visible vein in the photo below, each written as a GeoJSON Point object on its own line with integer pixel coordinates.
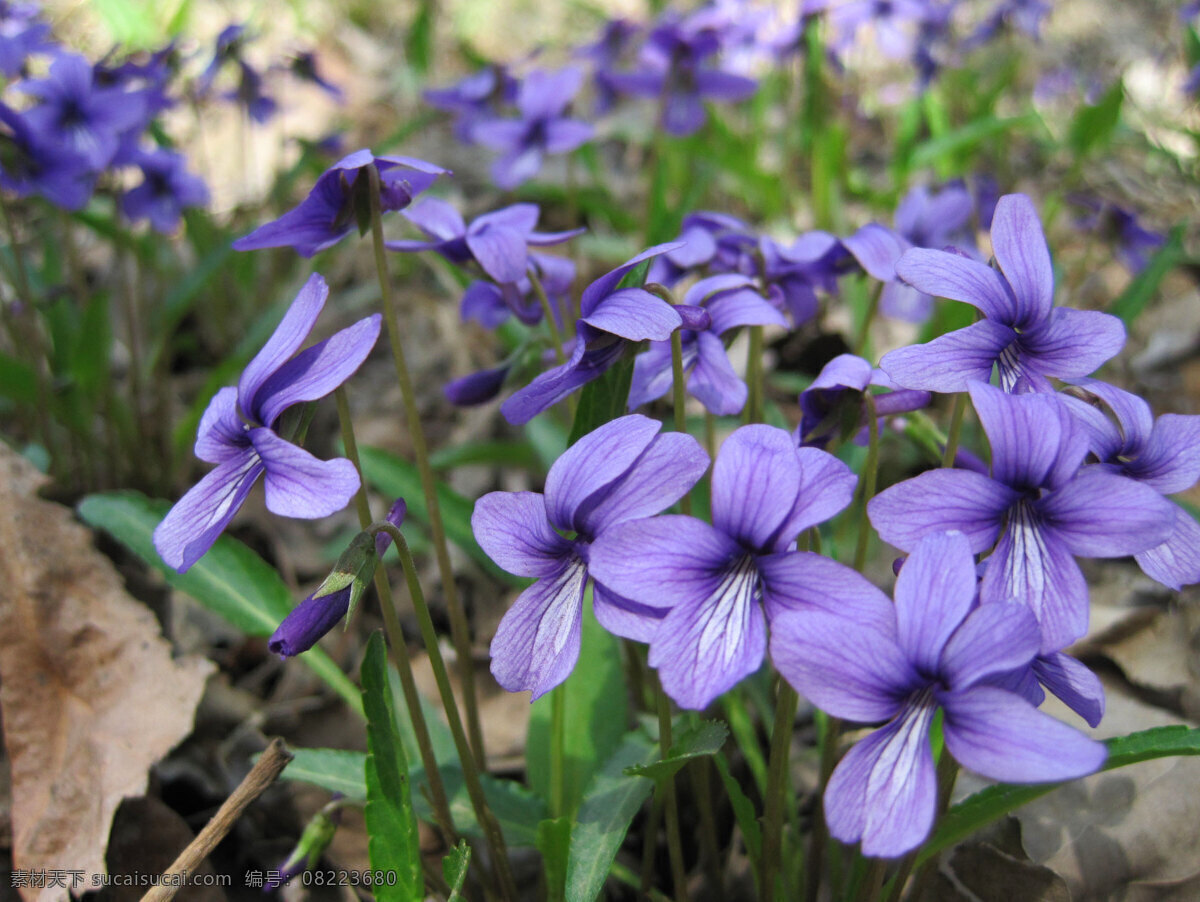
{"type": "Point", "coordinates": [454, 869]}
{"type": "Point", "coordinates": [393, 844]}
{"type": "Point", "coordinates": [705, 738]}
{"type": "Point", "coordinates": [612, 800]}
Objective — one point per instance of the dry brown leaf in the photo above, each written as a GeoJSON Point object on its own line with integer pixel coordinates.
{"type": "Point", "coordinates": [1136, 825]}
{"type": "Point", "coordinates": [90, 693]}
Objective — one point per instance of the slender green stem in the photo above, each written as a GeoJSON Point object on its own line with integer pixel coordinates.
{"type": "Point", "coordinates": [400, 656]}
{"type": "Point", "coordinates": [754, 376]}
{"type": "Point", "coordinates": [872, 882]}
{"type": "Point", "coordinates": [650, 843]}
{"type": "Point", "coordinates": [459, 630]}
{"type": "Point", "coordinates": [777, 777]}
{"type": "Point", "coordinates": [864, 328]}
{"type": "Point", "coordinates": [558, 734]}
{"type": "Point", "coordinates": [670, 805]}
{"type": "Point", "coordinates": [829, 728]}
{"type": "Point", "coordinates": [710, 846]}
{"type": "Point", "coordinates": [870, 475]}
{"type": "Point", "coordinates": [560, 356]}
{"type": "Point", "coordinates": [710, 435]}
{"type": "Point", "coordinates": [956, 421]}
{"type": "Point", "coordinates": [483, 814]}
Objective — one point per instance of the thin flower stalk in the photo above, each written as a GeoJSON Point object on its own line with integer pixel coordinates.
{"type": "Point", "coordinates": [459, 630]}
{"type": "Point", "coordinates": [870, 474]}
{"type": "Point", "coordinates": [956, 421]}
{"type": "Point", "coordinates": [548, 312]}
{"type": "Point", "coordinates": [781, 740]}
{"type": "Point", "coordinates": [754, 376]}
{"type": "Point", "coordinates": [487, 820]}
{"type": "Point", "coordinates": [400, 656]}
{"type": "Point", "coordinates": [669, 800]}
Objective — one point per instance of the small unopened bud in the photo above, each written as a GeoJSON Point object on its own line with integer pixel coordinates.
{"type": "Point", "coordinates": [312, 845]}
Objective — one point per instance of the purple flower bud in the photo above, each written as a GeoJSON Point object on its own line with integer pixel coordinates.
{"type": "Point", "coordinates": [308, 622]}
{"type": "Point", "coordinates": [477, 388]}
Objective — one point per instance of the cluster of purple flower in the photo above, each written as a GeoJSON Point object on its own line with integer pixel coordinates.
{"type": "Point", "coordinates": [981, 642]}
{"type": "Point", "coordinates": [83, 120]}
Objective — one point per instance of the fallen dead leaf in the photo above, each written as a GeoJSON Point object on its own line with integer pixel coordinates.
{"type": "Point", "coordinates": [90, 693]}
{"type": "Point", "coordinates": [1130, 827]}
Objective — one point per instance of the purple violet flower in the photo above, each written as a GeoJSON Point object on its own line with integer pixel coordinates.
{"type": "Point", "coordinates": [623, 471]}
{"type": "Point", "coordinates": [713, 240]}
{"type": "Point", "coordinates": [338, 202]}
{"type": "Point", "coordinates": [792, 275]}
{"type": "Point", "coordinates": [475, 99]}
{"type": "Point", "coordinates": [490, 304]}
{"type": "Point", "coordinates": [1038, 508]}
{"type": "Point", "coordinates": [77, 114]}
{"type": "Point", "coordinates": [21, 36]}
{"type": "Point", "coordinates": [900, 664]}
{"type": "Point", "coordinates": [675, 71]}
{"type": "Point", "coordinates": [238, 433]}
{"type": "Point", "coordinates": [1022, 332]}
{"type": "Point", "coordinates": [543, 127]}
{"type": "Point", "coordinates": [249, 94]}
{"type": "Point", "coordinates": [304, 67]}
{"type": "Point", "coordinates": [1162, 453]}
{"type": "Point", "coordinates": [610, 317]}
{"type": "Point", "coordinates": [31, 164]}
{"type": "Point", "coordinates": [833, 404]}
{"type": "Point", "coordinates": [497, 241]}
{"type": "Point", "coordinates": [731, 301]}
{"type": "Point", "coordinates": [1134, 244]}
{"type": "Point", "coordinates": [894, 22]}
{"type": "Point", "coordinates": [713, 582]}
{"type": "Point", "coordinates": [166, 190]}
{"type": "Point", "coordinates": [923, 219]}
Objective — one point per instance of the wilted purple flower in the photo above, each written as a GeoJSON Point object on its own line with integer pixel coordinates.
{"type": "Point", "coordinates": [318, 614]}
{"type": "Point", "coordinates": [1022, 333]}
{"type": "Point", "coordinates": [1162, 453]}
{"type": "Point", "coordinates": [609, 318]}
{"type": "Point", "coordinates": [834, 404]}
{"type": "Point", "coordinates": [1038, 508]}
{"type": "Point", "coordinates": [543, 127]}
{"type": "Point", "coordinates": [76, 114]}
{"type": "Point", "coordinates": [731, 301]}
{"type": "Point", "coordinates": [924, 219]}
{"type": "Point", "coordinates": [498, 241]}
{"type": "Point", "coordinates": [714, 581]}
{"type": "Point", "coordinates": [1133, 244]}
{"type": "Point", "coordinates": [166, 190]}
{"type": "Point", "coordinates": [338, 202]}
{"type": "Point", "coordinates": [31, 164]}
{"type": "Point", "coordinates": [620, 472]}
{"type": "Point", "coordinates": [238, 433]}
{"type": "Point", "coordinates": [900, 664]}
{"type": "Point", "coordinates": [675, 70]}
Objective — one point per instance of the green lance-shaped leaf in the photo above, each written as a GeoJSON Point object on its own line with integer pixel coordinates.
{"type": "Point", "coordinates": [393, 844]}
{"type": "Point", "coordinates": [697, 741]}
{"type": "Point", "coordinates": [991, 804]}
{"type": "Point", "coordinates": [608, 808]}
{"type": "Point", "coordinates": [230, 580]}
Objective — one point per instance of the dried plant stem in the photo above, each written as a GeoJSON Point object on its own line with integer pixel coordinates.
{"type": "Point", "coordinates": [483, 814]}
{"type": "Point", "coordinates": [400, 656]}
{"type": "Point", "coordinates": [269, 766]}
{"type": "Point", "coordinates": [777, 776]}
{"type": "Point", "coordinates": [459, 630]}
